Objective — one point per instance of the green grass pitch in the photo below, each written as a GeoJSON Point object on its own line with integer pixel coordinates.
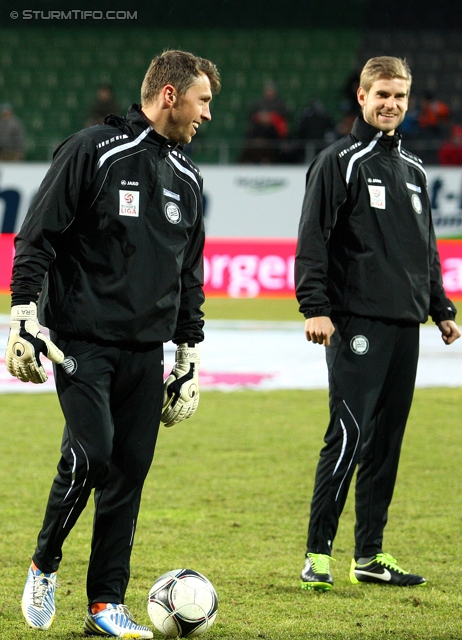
{"type": "Point", "coordinates": [276, 309]}
{"type": "Point", "coordinates": [228, 495]}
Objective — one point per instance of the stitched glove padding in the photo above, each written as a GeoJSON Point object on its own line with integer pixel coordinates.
{"type": "Point", "coordinates": [25, 344]}
{"type": "Point", "coordinates": [181, 388]}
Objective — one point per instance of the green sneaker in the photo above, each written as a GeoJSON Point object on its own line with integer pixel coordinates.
{"type": "Point", "coordinates": [316, 572]}
{"type": "Point", "coordinates": [383, 569]}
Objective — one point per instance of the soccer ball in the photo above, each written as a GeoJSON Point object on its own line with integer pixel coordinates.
{"type": "Point", "coordinates": [182, 604]}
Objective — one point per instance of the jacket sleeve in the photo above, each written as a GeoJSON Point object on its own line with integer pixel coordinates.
{"type": "Point", "coordinates": [51, 212]}
{"type": "Point", "coordinates": [441, 308]}
{"type": "Point", "coordinates": [324, 195]}
{"type": "Point", "coordinates": [190, 322]}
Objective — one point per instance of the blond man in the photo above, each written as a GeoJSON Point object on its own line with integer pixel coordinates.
{"type": "Point", "coordinates": [367, 274]}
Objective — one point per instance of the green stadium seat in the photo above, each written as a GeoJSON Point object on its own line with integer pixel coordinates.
{"type": "Point", "coordinates": [59, 74]}
{"type": "Point", "coordinates": [11, 38]}
{"type": "Point", "coordinates": [6, 58]}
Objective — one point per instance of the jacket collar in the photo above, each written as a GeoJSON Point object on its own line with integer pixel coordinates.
{"type": "Point", "coordinates": [135, 123]}
{"type": "Point", "coordinates": [365, 132]}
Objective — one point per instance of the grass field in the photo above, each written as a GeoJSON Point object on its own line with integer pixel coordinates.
{"type": "Point", "coordinates": [278, 309]}
{"type": "Point", "coordinates": [228, 495]}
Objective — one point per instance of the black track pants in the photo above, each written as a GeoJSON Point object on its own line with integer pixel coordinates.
{"type": "Point", "coordinates": [372, 367]}
{"type": "Point", "coordinates": [112, 404]}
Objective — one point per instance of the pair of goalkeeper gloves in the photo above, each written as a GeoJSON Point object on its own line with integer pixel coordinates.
{"type": "Point", "coordinates": [26, 343]}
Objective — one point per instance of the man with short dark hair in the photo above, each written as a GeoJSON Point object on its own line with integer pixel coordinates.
{"type": "Point", "coordinates": [111, 249]}
{"type": "Point", "coordinates": [367, 273]}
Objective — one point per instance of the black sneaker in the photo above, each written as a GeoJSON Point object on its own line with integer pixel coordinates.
{"type": "Point", "coordinates": [383, 569]}
{"type": "Point", "coordinates": [316, 572]}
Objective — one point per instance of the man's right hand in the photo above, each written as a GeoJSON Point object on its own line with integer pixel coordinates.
{"type": "Point", "coordinates": [319, 330]}
{"type": "Point", "coordinates": [25, 344]}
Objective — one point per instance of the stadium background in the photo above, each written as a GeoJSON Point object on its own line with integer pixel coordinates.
{"type": "Point", "coordinates": [247, 456]}
{"type": "Point", "coordinates": [50, 69]}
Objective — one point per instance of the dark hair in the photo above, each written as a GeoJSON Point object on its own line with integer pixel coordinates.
{"type": "Point", "coordinates": [180, 69]}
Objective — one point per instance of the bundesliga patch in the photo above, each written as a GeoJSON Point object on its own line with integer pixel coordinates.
{"type": "Point", "coordinates": [359, 345]}
{"type": "Point", "coordinates": [129, 203]}
{"type": "Point", "coordinates": [377, 195]}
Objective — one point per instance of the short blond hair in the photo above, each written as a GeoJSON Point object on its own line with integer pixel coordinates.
{"type": "Point", "coordinates": [384, 67]}
{"type": "Point", "coordinates": [180, 69]}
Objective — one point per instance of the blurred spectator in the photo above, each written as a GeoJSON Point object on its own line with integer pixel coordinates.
{"type": "Point", "coordinates": [275, 106]}
{"type": "Point", "coordinates": [267, 129]}
{"type": "Point", "coordinates": [450, 152]}
{"type": "Point", "coordinates": [349, 103]}
{"type": "Point", "coordinates": [313, 126]}
{"type": "Point", "coordinates": [261, 140]}
{"type": "Point", "coordinates": [104, 104]}
{"type": "Point", "coordinates": [433, 117]}
{"type": "Point", "coordinates": [315, 122]}
{"type": "Point", "coordinates": [410, 125]}
{"type": "Point", "coordinates": [12, 138]}
{"type": "Point", "coordinates": [342, 128]}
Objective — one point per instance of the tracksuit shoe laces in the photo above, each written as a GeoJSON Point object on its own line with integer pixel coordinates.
{"type": "Point", "coordinates": [383, 569]}
{"type": "Point", "coordinates": [316, 572]}
{"type": "Point", "coordinates": [114, 621]}
{"type": "Point", "coordinates": [38, 599]}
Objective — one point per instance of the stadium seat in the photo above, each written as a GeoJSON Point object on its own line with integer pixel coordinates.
{"type": "Point", "coordinates": [59, 74]}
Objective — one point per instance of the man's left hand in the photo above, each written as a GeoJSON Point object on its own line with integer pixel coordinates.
{"type": "Point", "coordinates": [449, 331]}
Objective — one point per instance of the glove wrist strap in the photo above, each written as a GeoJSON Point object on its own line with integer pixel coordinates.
{"type": "Point", "coordinates": [24, 312]}
{"type": "Point", "coordinates": [185, 354]}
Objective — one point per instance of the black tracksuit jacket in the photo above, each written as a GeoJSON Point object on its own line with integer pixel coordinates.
{"type": "Point", "coordinates": [366, 243]}
{"type": "Point", "coordinates": [113, 240]}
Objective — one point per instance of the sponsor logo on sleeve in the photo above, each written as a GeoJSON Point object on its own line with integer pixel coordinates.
{"type": "Point", "coordinates": [171, 194]}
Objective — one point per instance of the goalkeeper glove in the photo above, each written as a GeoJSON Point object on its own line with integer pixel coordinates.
{"type": "Point", "coordinates": [26, 343]}
{"type": "Point", "coordinates": [181, 388]}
